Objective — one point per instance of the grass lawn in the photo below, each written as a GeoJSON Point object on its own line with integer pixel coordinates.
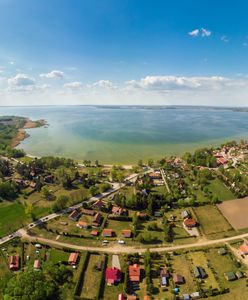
{"type": "Point", "coordinates": [57, 255]}
{"type": "Point", "coordinates": [219, 189]}
{"type": "Point", "coordinates": [211, 220]}
{"type": "Point", "coordinates": [181, 265]}
{"type": "Point", "coordinates": [199, 259]}
{"type": "Point", "coordinates": [118, 226]}
{"type": "Point", "coordinates": [222, 264]}
{"type": "Point", "coordinates": [92, 278]}
{"type": "Point", "coordinates": [12, 217]}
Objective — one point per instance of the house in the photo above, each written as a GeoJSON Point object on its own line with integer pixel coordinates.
{"type": "Point", "coordinates": [73, 258]}
{"type": "Point", "coordinates": [186, 297]}
{"type": "Point", "coordinates": [88, 212]}
{"type": "Point", "coordinates": [75, 215]}
{"type": "Point", "coordinates": [199, 272]}
{"type": "Point", "coordinates": [185, 214]}
{"type": "Point", "coordinates": [147, 297]}
{"type": "Point", "coordinates": [163, 281]}
{"type": "Point", "coordinates": [189, 223]}
{"type": "Point", "coordinates": [112, 276]}
{"type": "Point", "coordinates": [134, 273]}
{"type": "Point", "coordinates": [82, 224]}
{"type": "Point", "coordinates": [230, 276]}
{"type": "Point", "coordinates": [127, 233]}
{"type": "Point", "coordinates": [131, 297]}
{"type": "Point", "coordinates": [97, 220]}
{"type": "Point", "coordinates": [14, 262]}
{"type": "Point", "coordinates": [99, 204]}
{"type": "Point", "coordinates": [118, 211]}
{"type": "Point", "coordinates": [178, 279]}
{"type": "Point", "coordinates": [94, 232]}
{"type": "Point", "coordinates": [121, 297]}
{"type": "Point", "coordinates": [239, 274]}
{"type": "Point", "coordinates": [155, 175]}
{"type": "Point", "coordinates": [107, 232]}
{"type": "Point", "coordinates": [195, 295]}
{"type": "Point", "coordinates": [244, 249]}
{"type": "Point", "coordinates": [37, 264]}
{"type": "Point", "coordinates": [164, 275]}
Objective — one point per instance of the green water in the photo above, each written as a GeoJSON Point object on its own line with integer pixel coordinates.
{"type": "Point", "coordinates": [126, 134]}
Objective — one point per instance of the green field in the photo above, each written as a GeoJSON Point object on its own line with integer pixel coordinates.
{"type": "Point", "coordinates": [211, 220]}
{"type": "Point", "coordinates": [12, 217]}
{"type": "Point", "coordinates": [219, 189]}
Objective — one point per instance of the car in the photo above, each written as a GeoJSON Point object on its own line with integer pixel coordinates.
{"type": "Point", "coordinates": [10, 236]}
{"type": "Point", "coordinates": [121, 242]}
{"type": "Point", "coordinates": [105, 242]}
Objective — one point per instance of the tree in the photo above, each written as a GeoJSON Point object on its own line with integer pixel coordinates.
{"type": "Point", "coordinates": [29, 211]}
{"type": "Point", "coordinates": [30, 286]}
{"type": "Point", "coordinates": [47, 193]}
{"type": "Point", "coordinates": [93, 190]}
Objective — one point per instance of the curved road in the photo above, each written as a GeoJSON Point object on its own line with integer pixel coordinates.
{"type": "Point", "coordinates": [128, 249]}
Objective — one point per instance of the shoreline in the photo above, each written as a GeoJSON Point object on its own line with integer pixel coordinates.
{"type": "Point", "coordinates": [22, 134]}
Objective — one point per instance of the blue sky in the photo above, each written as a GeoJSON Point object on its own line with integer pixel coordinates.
{"type": "Point", "coordinates": [123, 52]}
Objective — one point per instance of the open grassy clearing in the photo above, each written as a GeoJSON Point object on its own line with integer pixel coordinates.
{"type": "Point", "coordinates": [211, 220]}
{"type": "Point", "coordinates": [92, 278]}
{"type": "Point", "coordinates": [12, 217]}
{"type": "Point", "coordinates": [218, 188]}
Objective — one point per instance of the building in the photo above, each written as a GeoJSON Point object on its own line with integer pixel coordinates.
{"type": "Point", "coordinates": [147, 297]}
{"type": "Point", "coordinates": [107, 232]}
{"type": "Point", "coordinates": [112, 276]}
{"type": "Point", "coordinates": [186, 297]}
{"type": "Point", "coordinates": [185, 214]}
{"type": "Point", "coordinates": [244, 249]}
{"type": "Point", "coordinates": [97, 221]}
{"type": "Point", "coordinates": [134, 273]}
{"type": "Point", "coordinates": [164, 277]}
{"type": "Point", "coordinates": [94, 232]}
{"type": "Point", "coordinates": [99, 204]}
{"type": "Point", "coordinates": [178, 279]}
{"type": "Point", "coordinates": [37, 264]}
{"type": "Point", "coordinates": [75, 215]}
{"type": "Point", "coordinates": [127, 233]}
{"type": "Point", "coordinates": [118, 211]}
{"type": "Point", "coordinates": [14, 262]}
{"type": "Point", "coordinates": [199, 272]}
{"type": "Point", "coordinates": [73, 259]}
{"type": "Point", "coordinates": [230, 276]}
{"type": "Point", "coordinates": [195, 295]}
{"type": "Point", "coordinates": [121, 297]}
{"type": "Point", "coordinates": [189, 223]}
{"type": "Point", "coordinates": [82, 224]}
{"type": "Point", "coordinates": [88, 212]}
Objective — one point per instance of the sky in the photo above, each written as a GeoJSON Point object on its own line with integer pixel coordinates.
{"type": "Point", "coordinates": [142, 52]}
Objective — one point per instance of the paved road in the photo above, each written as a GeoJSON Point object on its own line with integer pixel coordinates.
{"type": "Point", "coordinates": [115, 249]}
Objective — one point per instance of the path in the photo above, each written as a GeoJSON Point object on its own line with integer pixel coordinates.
{"type": "Point", "coordinates": [115, 249]}
{"type": "Point", "coordinates": [165, 181]}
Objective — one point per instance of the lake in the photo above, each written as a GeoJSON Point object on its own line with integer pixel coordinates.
{"type": "Point", "coordinates": [125, 134]}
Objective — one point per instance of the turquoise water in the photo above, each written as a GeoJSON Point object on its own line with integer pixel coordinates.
{"type": "Point", "coordinates": [126, 134]}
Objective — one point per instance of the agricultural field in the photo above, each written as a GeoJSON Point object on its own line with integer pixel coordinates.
{"type": "Point", "coordinates": [211, 220]}
{"type": "Point", "coordinates": [236, 211]}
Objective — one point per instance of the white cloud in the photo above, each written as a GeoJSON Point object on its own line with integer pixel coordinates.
{"type": "Point", "coordinates": [197, 32]}
{"type": "Point", "coordinates": [106, 84]}
{"type": "Point", "coordinates": [194, 32]}
{"type": "Point", "coordinates": [224, 38]}
{"type": "Point", "coordinates": [21, 80]}
{"type": "Point", "coordinates": [11, 62]}
{"type": "Point", "coordinates": [53, 74]}
{"type": "Point", "coordinates": [74, 85]}
{"type": "Point", "coordinates": [167, 83]}
{"type": "Point", "coordinates": [205, 32]}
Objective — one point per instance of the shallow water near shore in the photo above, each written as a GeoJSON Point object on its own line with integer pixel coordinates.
{"type": "Point", "coordinates": [126, 134]}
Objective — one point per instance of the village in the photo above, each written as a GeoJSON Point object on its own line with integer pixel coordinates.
{"type": "Point", "coordinates": [173, 229]}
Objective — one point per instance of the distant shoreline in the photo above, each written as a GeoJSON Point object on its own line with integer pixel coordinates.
{"type": "Point", "coordinates": [22, 134]}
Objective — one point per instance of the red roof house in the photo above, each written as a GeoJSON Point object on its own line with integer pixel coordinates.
{"type": "Point", "coordinates": [189, 223]}
{"type": "Point", "coordinates": [82, 224]}
{"type": "Point", "coordinates": [94, 232]}
{"type": "Point", "coordinates": [112, 276]}
{"type": "Point", "coordinates": [36, 264]}
{"type": "Point", "coordinates": [244, 249]}
{"type": "Point", "coordinates": [73, 258]}
{"type": "Point", "coordinates": [14, 262]}
{"type": "Point", "coordinates": [134, 273]}
{"type": "Point", "coordinates": [107, 232]}
{"type": "Point", "coordinates": [127, 233]}
{"type": "Point", "coordinates": [121, 297]}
